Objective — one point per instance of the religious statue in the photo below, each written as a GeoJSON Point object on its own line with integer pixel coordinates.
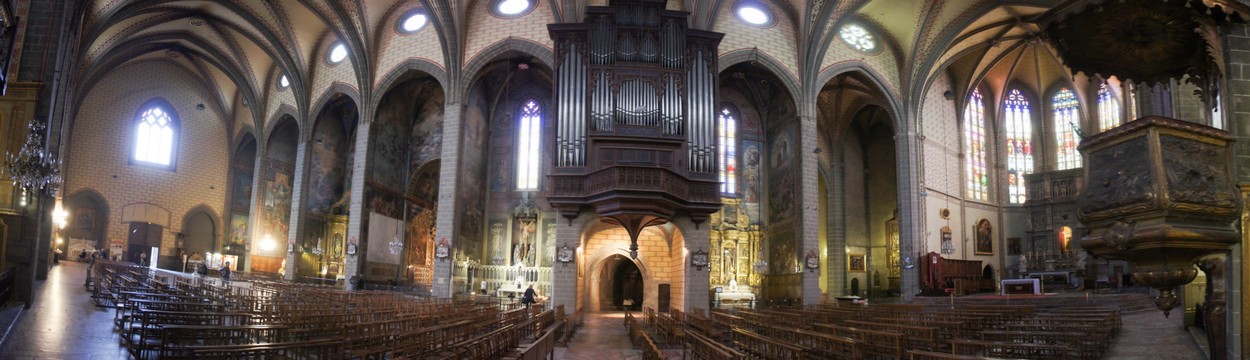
{"type": "Point", "coordinates": [1024, 263]}
{"type": "Point", "coordinates": [521, 253]}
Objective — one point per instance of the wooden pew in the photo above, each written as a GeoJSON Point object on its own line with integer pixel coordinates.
{"type": "Point", "coordinates": [875, 344]}
{"type": "Point", "coordinates": [542, 348]}
{"type": "Point", "coordinates": [819, 345]}
{"type": "Point", "coordinates": [176, 339]}
{"type": "Point", "coordinates": [759, 346]}
{"type": "Point", "coordinates": [313, 349]}
{"type": "Point", "coordinates": [914, 337]}
{"type": "Point", "coordinates": [650, 351]}
{"type": "Point", "coordinates": [930, 355]}
{"type": "Point", "coordinates": [1008, 349]}
{"type": "Point", "coordinates": [704, 348]}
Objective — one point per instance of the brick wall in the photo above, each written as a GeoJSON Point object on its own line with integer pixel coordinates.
{"type": "Point", "coordinates": [777, 41]}
{"type": "Point", "coordinates": [396, 48]}
{"type": "Point", "coordinates": [100, 147]}
{"type": "Point", "coordinates": [489, 29]}
{"type": "Point", "coordinates": [939, 124]}
{"type": "Point", "coordinates": [325, 74]}
{"type": "Point", "coordinates": [659, 264]}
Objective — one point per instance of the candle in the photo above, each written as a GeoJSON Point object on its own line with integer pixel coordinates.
{"type": "Point", "coordinates": [952, 300]}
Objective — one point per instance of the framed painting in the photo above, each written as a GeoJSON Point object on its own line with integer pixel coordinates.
{"type": "Point", "coordinates": [984, 237]}
{"type": "Point", "coordinates": [856, 263]}
{"type": "Point", "coordinates": [1013, 246]}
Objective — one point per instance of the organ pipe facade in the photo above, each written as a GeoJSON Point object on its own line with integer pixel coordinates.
{"type": "Point", "coordinates": [635, 103]}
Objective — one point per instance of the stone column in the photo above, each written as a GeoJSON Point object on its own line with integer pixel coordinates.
{"type": "Point", "coordinates": [809, 208]}
{"type": "Point", "coordinates": [259, 172]}
{"type": "Point", "coordinates": [697, 282]}
{"type": "Point", "coordinates": [298, 184]}
{"type": "Point", "coordinates": [910, 206]}
{"type": "Point", "coordinates": [564, 278]}
{"type": "Point", "coordinates": [356, 211]}
{"type": "Point", "coordinates": [836, 226]}
{"type": "Point", "coordinates": [449, 170]}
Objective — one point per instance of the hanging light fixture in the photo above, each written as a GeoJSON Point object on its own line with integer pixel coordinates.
{"type": "Point", "coordinates": [395, 245]}
{"type": "Point", "coordinates": [33, 166]}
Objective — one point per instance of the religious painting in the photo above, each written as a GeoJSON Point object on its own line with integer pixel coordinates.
{"type": "Point", "coordinates": [388, 144]}
{"type": "Point", "coordinates": [242, 190]}
{"type": "Point", "coordinates": [471, 187]}
{"type": "Point", "coordinates": [427, 132]}
{"type": "Point", "coordinates": [1013, 246]}
{"type": "Point", "coordinates": [238, 229]}
{"type": "Point", "coordinates": [752, 162]}
{"type": "Point", "coordinates": [856, 263]}
{"type": "Point", "coordinates": [84, 219]}
{"type": "Point", "coordinates": [984, 237]}
{"type": "Point", "coordinates": [384, 203]}
{"type": "Point", "coordinates": [328, 158]}
{"type": "Point", "coordinates": [278, 200]}
{"type": "Point", "coordinates": [782, 179]}
{"type": "Point", "coordinates": [783, 257]}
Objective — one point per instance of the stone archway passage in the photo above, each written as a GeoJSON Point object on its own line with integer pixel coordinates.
{"type": "Point", "coordinates": [627, 286]}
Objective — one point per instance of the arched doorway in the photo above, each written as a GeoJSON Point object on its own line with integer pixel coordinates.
{"type": "Point", "coordinates": [199, 233]}
{"type": "Point", "coordinates": [621, 285]}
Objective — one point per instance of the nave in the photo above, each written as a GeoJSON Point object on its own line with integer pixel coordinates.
{"type": "Point", "coordinates": [71, 326]}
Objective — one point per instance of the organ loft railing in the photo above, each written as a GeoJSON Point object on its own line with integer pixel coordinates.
{"type": "Point", "coordinates": [635, 110]}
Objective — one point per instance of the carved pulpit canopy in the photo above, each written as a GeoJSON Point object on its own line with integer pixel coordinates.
{"type": "Point", "coordinates": [1150, 41]}
{"type": "Point", "coordinates": [1159, 194]}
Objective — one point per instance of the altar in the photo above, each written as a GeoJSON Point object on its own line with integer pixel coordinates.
{"type": "Point", "coordinates": [733, 295]}
{"type": "Point", "coordinates": [510, 289]}
{"type": "Point", "coordinates": [1051, 277]}
{"type": "Point", "coordinates": [1021, 286]}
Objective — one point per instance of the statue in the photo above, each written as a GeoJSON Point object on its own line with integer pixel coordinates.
{"type": "Point", "coordinates": [733, 285]}
{"type": "Point", "coordinates": [1024, 263]}
{"type": "Point", "coordinates": [521, 253]}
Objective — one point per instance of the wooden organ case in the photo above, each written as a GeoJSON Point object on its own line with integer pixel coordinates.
{"type": "Point", "coordinates": [636, 120]}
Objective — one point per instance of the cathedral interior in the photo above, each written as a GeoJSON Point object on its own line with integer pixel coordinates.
{"type": "Point", "coordinates": [644, 156]}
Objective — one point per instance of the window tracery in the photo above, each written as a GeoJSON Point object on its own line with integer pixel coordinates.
{"type": "Point", "coordinates": [1019, 144]}
{"type": "Point", "coordinates": [529, 136]}
{"type": "Point", "coordinates": [974, 147]}
{"type": "Point", "coordinates": [154, 137]}
{"type": "Point", "coordinates": [1067, 124]}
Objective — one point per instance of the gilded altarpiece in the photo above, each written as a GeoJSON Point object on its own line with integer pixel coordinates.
{"type": "Point", "coordinates": [735, 239]}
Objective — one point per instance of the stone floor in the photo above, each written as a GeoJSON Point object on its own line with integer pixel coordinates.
{"type": "Point", "coordinates": [65, 324]}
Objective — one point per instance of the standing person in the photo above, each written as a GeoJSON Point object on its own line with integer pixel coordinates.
{"type": "Point", "coordinates": [201, 271]}
{"type": "Point", "coordinates": [528, 298]}
{"type": "Point", "coordinates": [225, 273]}
{"type": "Point", "coordinates": [143, 259]}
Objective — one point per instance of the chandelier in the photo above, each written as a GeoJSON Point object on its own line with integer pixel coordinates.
{"type": "Point", "coordinates": [395, 245]}
{"type": "Point", "coordinates": [33, 166]}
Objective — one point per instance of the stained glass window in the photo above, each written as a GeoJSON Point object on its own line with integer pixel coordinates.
{"type": "Point", "coordinates": [529, 136]}
{"type": "Point", "coordinates": [1108, 108]}
{"type": "Point", "coordinates": [1019, 147]}
{"type": "Point", "coordinates": [1067, 124]}
{"type": "Point", "coordinates": [858, 38]}
{"type": "Point", "coordinates": [728, 152]}
{"type": "Point", "coordinates": [154, 137]}
{"type": "Point", "coordinates": [974, 147]}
